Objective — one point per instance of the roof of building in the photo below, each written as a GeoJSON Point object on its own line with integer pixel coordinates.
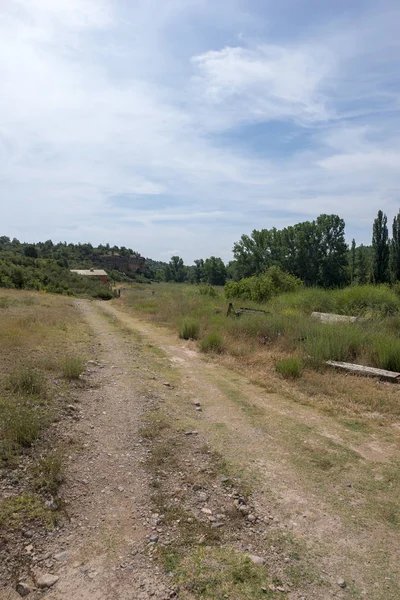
{"type": "Point", "coordinates": [94, 272]}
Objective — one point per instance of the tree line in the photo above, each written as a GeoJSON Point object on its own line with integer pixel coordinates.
{"type": "Point", "coordinates": [314, 251]}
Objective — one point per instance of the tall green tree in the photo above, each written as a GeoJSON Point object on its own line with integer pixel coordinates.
{"type": "Point", "coordinates": [395, 249]}
{"type": "Point", "coordinates": [363, 264]}
{"type": "Point", "coordinates": [333, 250]}
{"type": "Point", "coordinates": [198, 270]}
{"type": "Point", "coordinates": [353, 260]}
{"type": "Point", "coordinates": [175, 270]}
{"type": "Point", "coordinates": [253, 253]}
{"type": "Point", "coordinates": [214, 271]}
{"type": "Point", "coordinates": [380, 245]}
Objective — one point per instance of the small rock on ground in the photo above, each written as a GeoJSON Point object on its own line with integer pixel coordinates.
{"type": "Point", "coordinates": [46, 581]}
{"type": "Point", "coordinates": [257, 560]}
{"type": "Point", "coordinates": [23, 589]}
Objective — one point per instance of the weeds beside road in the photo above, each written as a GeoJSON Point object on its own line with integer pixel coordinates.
{"type": "Point", "coordinates": [257, 344]}
{"type": "Point", "coordinates": [40, 335]}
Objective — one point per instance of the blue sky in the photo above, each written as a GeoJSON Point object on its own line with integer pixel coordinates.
{"type": "Point", "coordinates": [174, 126]}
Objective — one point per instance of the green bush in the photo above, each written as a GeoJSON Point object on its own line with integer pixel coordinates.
{"type": "Point", "coordinates": [27, 380]}
{"type": "Point", "coordinates": [73, 367]}
{"type": "Point", "coordinates": [262, 287]}
{"type": "Point", "coordinates": [189, 330]}
{"type": "Point", "coordinates": [206, 289]}
{"type": "Point", "coordinates": [290, 368]}
{"type": "Point", "coordinates": [212, 342]}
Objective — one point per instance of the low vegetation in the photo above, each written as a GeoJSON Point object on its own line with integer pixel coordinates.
{"type": "Point", "coordinates": [189, 330]}
{"type": "Point", "coordinates": [290, 368]}
{"type": "Point", "coordinates": [37, 331]}
{"type": "Point", "coordinates": [285, 342]}
{"type": "Point", "coordinates": [262, 287]}
{"type": "Point", "coordinates": [72, 367]}
{"type": "Point", "coordinates": [212, 342]}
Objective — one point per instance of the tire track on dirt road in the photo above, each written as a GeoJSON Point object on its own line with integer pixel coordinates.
{"type": "Point", "coordinates": [103, 548]}
{"type": "Point", "coordinates": [265, 435]}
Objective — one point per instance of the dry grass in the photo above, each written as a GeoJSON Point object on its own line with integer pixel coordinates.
{"type": "Point", "coordinates": [37, 331]}
{"type": "Point", "coordinates": [253, 344]}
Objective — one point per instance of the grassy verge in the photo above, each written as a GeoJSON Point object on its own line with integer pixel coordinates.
{"type": "Point", "coordinates": [38, 332]}
{"type": "Point", "coordinates": [286, 343]}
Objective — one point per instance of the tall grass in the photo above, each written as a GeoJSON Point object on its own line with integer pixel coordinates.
{"type": "Point", "coordinates": [287, 326]}
{"type": "Point", "coordinates": [21, 423]}
{"type": "Point", "coordinates": [27, 380]}
{"type": "Point", "coordinates": [189, 330]}
{"type": "Point", "coordinates": [362, 300]}
{"type": "Point", "coordinates": [337, 342]}
{"type": "Point", "coordinates": [386, 353]}
{"type": "Point", "coordinates": [72, 367]}
{"type": "Point", "coordinates": [212, 342]}
{"type": "Point", "coordinates": [290, 368]}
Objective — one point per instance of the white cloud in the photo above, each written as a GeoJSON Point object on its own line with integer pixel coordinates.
{"type": "Point", "coordinates": [266, 82]}
{"type": "Point", "coordinates": [102, 98]}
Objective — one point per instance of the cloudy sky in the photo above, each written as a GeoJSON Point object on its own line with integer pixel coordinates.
{"type": "Point", "coordinates": [174, 126]}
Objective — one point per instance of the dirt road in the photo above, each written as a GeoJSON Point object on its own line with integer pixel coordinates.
{"type": "Point", "coordinates": [312, 521]}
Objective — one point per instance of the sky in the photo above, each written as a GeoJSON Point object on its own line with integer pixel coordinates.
{"type": "Point", "coordinates": [175, 126]}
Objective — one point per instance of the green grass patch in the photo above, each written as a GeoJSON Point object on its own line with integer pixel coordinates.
{"type": "Point", "coordinates": [17, 511]}
{"type": "Point", "coordinates": [221, 573]}
{"type": "Point", "coordinates": [336, 341]}
{"type": "Point", "coordinates": [212, 342]}
{"type": "Point", "coordinates": [48, 473]}
{"type": "Point", "coordinates": [290, 368]}
{"type": "Point", "coordinates": [22, 419]}
{"type": "Point", "coordinates": [189, 330]}
{"type": "Point", "coordinates": [27, 380]}
{"type": "Point", "coordinates": [72, 367]}
{"type": "Point", "coordinates": [386, 353]}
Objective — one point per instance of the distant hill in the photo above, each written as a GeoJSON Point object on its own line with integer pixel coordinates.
{"type": "Point", "coordinates": [46, 266]}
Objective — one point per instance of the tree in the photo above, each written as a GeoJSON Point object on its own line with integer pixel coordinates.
{"type": "Point", "coordinates": [214, 271]}
{"type": "Point", "coordinates": [395, 250]}
{"type": "Point", "coordinates": [363, 265]}
{"type": "Point", "coordinates": [380, 245]}
{"type": "Point", "coordinates": [198, 270]}
{"type": "Point", "coordinates": [252, 253]}
{"type": "Point", "coordinates": [307, 258]}
{"type": "Point", "coordinates": [175, 270]}
{"type": "Point", "coordinates": [31, 251]}
{"type": "Point", "coordinates": [333, 250]}
{"type": "Point", "coordinates": [353, 261]}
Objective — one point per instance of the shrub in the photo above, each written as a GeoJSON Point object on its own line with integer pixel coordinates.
{"type": "Point", "coordinates": [27, 380]}
{"type": "Point", "coordinates": [212, 343]}
{"type": "Point", "coordinates": [290, 368]}
{"type": "Point", "coordinates": [206, 289]}
{"type": "Point", "coordinates": [262, 287]}
{"type": "Point", "coordinates": [189, 330]}
{"type": "Point", "coordinates": [73, 367]}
